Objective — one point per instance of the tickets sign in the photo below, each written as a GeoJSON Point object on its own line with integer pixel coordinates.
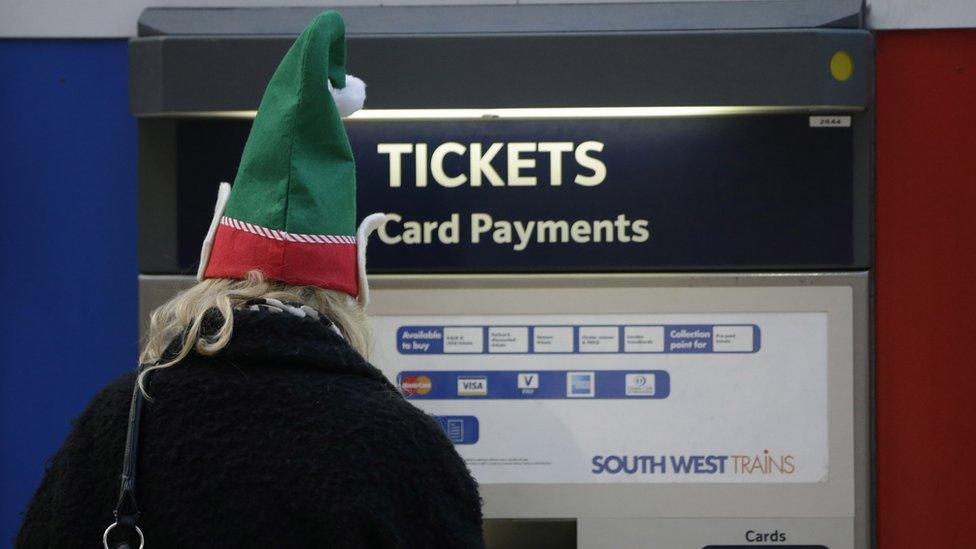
{"type": "Point", "coordinates": [596, 195]}
{"type": "Point", "coordinates": [653, 194]}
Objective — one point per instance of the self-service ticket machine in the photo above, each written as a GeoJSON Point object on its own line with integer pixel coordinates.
{"type": "Point", "coordinates": [628, 265]}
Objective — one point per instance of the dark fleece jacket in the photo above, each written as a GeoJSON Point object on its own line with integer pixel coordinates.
{"type": "Point", "coordinates": [286, 438]}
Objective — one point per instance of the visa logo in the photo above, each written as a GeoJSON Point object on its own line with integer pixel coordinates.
{"type": "Point", "coordinates": [472, 386]}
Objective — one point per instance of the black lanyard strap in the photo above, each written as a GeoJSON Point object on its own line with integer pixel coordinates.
{"type": "Point", "coordinates": [126, 510]}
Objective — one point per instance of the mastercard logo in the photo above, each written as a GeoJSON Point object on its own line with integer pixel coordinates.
{"type": "Point", "coordinates": [415, 385]}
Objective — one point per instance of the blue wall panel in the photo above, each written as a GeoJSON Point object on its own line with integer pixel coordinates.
{"type": "Point", "coordinates": [67, 246]}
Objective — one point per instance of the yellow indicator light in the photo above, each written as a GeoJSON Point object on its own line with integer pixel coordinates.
{"type": "Point", "coordinates": [841, 66]}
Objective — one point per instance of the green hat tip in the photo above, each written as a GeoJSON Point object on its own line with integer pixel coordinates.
{"type": "Point", "coordinates": [297, 172]}
{"type": "Point", "coordinates": [328, 30]}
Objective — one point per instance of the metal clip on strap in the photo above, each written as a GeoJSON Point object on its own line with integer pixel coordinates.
{"type": "Point", "coordinates": [122, 544]}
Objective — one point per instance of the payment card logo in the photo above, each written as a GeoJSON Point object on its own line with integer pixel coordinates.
{"type": "Point", "coordinates": [528, 383]}
{"type": "Point", "coordinates": [472, 386]}
{"type": "Point", "coordinates": [580, 384]}
{"type": "Point", "coordinates": [415, 385]}
{"type": "Point", "coordinates": [639, 384]}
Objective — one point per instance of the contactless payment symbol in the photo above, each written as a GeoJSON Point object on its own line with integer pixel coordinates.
{"type": "Point", "coordinates": [528, 383]}
{"type": "Point", "coordinates": [580, 384]}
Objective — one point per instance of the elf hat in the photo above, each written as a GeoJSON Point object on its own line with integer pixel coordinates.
{"type": "Point", "coordinates": [292, 211]}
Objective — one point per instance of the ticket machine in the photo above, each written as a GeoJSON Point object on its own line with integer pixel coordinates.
{"type": "Point", "coordinates": [628, 265]}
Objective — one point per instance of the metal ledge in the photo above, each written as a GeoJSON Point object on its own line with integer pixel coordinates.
{"type": "Point", "coordinates": [180, 74]}
{"type": "Point", "coordinates": [511, 18]}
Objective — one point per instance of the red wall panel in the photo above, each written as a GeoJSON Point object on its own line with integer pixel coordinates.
{"type": "Point", "coordinates": [926, 288]}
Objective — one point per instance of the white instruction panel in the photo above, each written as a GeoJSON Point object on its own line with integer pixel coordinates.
{"type": "Point", "coordinates": [620, 398]}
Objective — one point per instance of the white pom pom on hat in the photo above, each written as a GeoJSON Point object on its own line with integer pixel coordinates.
{"type": "Point", "coordinates": [351, 98]}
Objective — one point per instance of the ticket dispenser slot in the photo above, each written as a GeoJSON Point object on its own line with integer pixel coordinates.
{"type": "Point", "coordinates": [632, 285]}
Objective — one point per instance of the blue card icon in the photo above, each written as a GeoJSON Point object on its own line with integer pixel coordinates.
{"type": "Point", "coordinates": [455, 430]}
{"type": "Point", "coordinates": [460, 429]}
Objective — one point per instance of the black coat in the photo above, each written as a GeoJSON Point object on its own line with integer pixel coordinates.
{"type": "Point", "coordinates": [286, 438]}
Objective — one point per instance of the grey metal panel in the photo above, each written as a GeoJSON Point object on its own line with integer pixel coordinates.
{"type": "Point", "coordinates": [863, 189]}
{"type": "Point", "coordinates": [154, 290]}
{"type": "Point", "coordinates": [677, 533]}
{"type": "Point", "coordinates": [845, 298]}
{"type": "Point", "coordinates": [157, 197]}
{"type": "Point", "coordinates": [185, 74]}
{"type": "Point", "coordinates": [530, 534]}
{"type": "Point", "coordinates": [520, 18]}
{"type": "Point", "coordinates": [846, 303]}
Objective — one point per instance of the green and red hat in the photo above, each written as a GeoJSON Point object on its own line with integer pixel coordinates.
{"type": "Point", "coordinates": [292, 211]}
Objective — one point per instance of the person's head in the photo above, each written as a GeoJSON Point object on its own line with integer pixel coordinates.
{"type": "Point", "coordinates": [291, 213]}
{"type": "Point", "coordinates": [184, 314]}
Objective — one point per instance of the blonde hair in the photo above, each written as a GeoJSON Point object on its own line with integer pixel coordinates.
{"type": "Point", "coordinates": [182, 317]}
